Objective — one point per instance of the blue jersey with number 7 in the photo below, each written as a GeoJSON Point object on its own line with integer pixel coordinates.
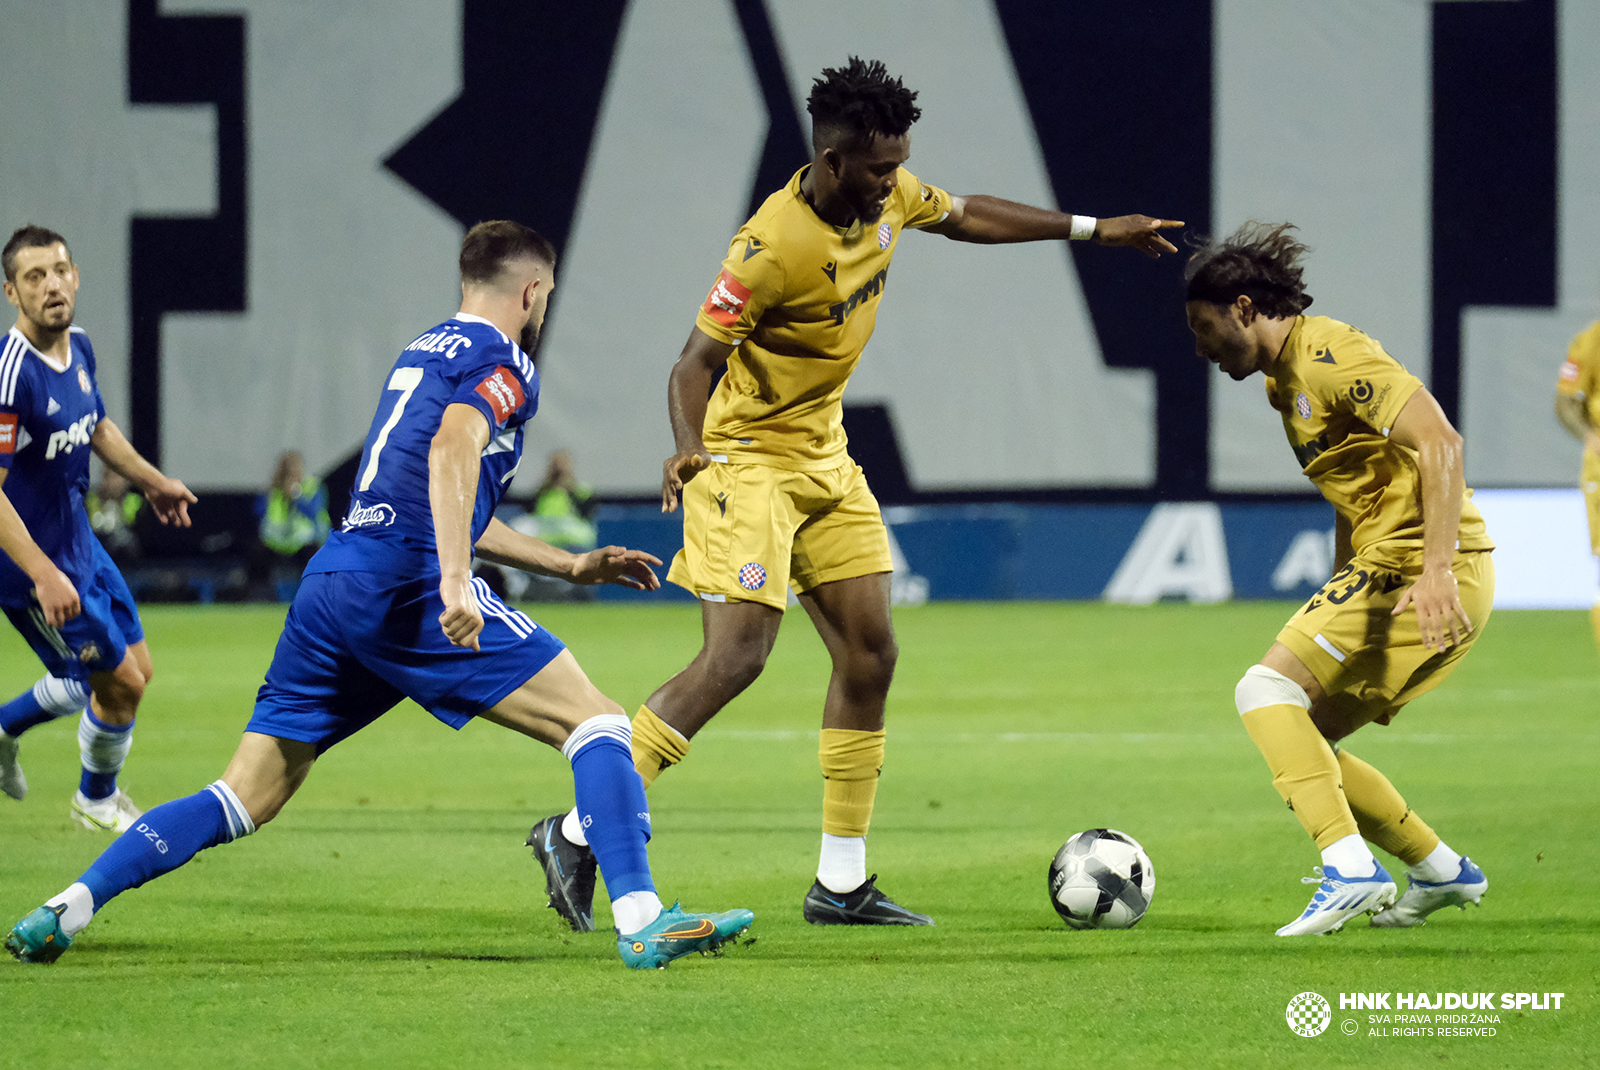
{"type": "Point", "coordinates": [464, 360]}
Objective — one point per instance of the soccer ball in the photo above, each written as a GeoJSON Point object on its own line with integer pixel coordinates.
{"type": "Point", "coordinates": [1101, 879]}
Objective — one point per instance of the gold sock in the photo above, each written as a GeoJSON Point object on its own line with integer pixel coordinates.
{"type": "Point", "coordinates": [1304, 770]}
{"type": "Point", "coordinates": [851, 762]}
{"type": "Point", "coordinates": [656, 745]}
{"type": "Point", "coordinates": [1594, 617]}
{"type": "Point", "coordinates": [1382, 814]}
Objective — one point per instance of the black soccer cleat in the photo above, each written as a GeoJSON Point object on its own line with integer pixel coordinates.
{"type": "Point", "coordinates": [569, 870]}
{"type": "Point", "coordinates": [864, 906]}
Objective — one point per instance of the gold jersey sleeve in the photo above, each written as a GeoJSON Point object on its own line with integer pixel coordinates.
{"type": "Point", "coordinates": [798, 299]}
{"type": "Point", "coordinates": [1339, 393]}
{"type": "Point", "coordinates": [1580, 373]}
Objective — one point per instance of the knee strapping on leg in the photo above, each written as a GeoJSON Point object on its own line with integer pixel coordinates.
{"type": "Point", "coordinates": [1261, 686]}
{"type": "Point", "coordinates": [59, 697]}
{"type": "Point", "coordinates": [104, 747]}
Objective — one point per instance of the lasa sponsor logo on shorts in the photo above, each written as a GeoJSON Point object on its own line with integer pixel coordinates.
{"type": "Point", "coordinates": [377, 515]}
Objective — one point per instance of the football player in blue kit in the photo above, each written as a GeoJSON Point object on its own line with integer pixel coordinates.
{"type": "Point", "coordinates": [58, 585]}
{"type": "Point", "coordinates": [389, 609]}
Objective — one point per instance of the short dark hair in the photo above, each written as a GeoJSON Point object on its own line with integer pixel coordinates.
{"type": "Point", "coordinates": [1259, 260]}
{"type": "Point", "coordinates": [489, 247]}
{"type": "Point", "coordinates": [28, 237]}
{"type": "Point", "coordinates": [858, 102]}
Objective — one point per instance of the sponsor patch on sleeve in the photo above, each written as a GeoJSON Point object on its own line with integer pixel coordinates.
{"type": "Point", "coordinates": [8, 432]}
{"type": "Point", "coordinates": [725, 303]}
{"type": "Point", "coordinates": [503, 393]}
{"type": "Point", "coordinates": [1569, 372]}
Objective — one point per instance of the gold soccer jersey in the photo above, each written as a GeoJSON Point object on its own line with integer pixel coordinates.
{"type": "Point", "coordinates": [1581, 372]}
{"type": "Point", "coordinates": [1339, 394]}
{"type": "Point", "coordinates": [799, 298]}
{"type": "Point", "coordinates": [1581, 375]}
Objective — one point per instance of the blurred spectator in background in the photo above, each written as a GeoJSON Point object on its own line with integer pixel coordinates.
{"type": "Point", "coordinates": [293, 523]}
{"type": "Point", "coordinates": [113, 506]}
{"type": "Point", "coordinates": [563, 509]}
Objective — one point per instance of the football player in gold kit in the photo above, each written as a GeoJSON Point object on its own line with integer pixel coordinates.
{"type": "Point", "coordinates": [771, 498]}
{"type": "Point", "coordinates": [1578, 408]}
{"type": "Point", "coordinates": [1412, 587]}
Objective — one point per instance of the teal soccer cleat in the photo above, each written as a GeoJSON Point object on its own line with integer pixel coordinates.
{"type": "Point", "coordinates": [38, 937]}
{"type": "Point", "coordinates": [676, 933]}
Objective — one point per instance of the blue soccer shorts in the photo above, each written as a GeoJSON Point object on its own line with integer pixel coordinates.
{"type": "Point", "coordinates": [97, 639]}
{"type": "Point", "coordinates": [356, 643]}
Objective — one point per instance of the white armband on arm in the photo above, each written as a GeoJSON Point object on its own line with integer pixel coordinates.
{"type": "Point", "coordinates": [1083, 227]}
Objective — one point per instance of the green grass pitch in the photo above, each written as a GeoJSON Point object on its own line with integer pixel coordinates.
{"type": "Point", "coordinates": [392, 918]}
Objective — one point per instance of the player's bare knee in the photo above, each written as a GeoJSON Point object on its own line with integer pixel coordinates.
{"type": "Point", "coordinates": [117, 695]}
{"type": "Point", "coordinates": [736, 662]}
{"type": "Point", "coordinates": [871, 664]}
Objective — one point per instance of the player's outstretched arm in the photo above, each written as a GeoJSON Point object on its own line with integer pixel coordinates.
{"type": "Point", "coordinates": [688, 390]}
{"type": "Point", "coordinates": [58, 598]}
{"type": "Point", "coordinates": [993, 221]}
{"type": "Point", "coordinates": [609, 564]}
{"type": "Point", "coordinates": [453, 462]}
{"type": "Point", "coordinates": [1423, 427]}
{"type": "Point", "coordinates": [167, 496]}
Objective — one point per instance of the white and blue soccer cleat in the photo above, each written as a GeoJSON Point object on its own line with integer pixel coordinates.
{"type": "Point", "coordinates": [1339, 898]}
{"type": "Point", "coordinates": [1424, 897]}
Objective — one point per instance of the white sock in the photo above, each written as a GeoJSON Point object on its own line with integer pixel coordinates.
{"type": "Point", "coordinates": [634, 911]}
{"type": "Point", "coordinates": [1441, 866]}
{"type": "Point", "coordinates": [1350, 856]}
{"type": "Point", "coordinates": [843, 867]}
{"type": "Point", "coordinates": [80, 909]}
{"type": "Point", "coordinates": [572, 829]}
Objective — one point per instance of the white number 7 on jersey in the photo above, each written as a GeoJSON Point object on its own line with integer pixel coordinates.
{"type": "Point", "coordinates": [405, 380]}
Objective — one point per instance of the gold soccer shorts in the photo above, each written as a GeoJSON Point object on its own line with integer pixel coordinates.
{"type": "Point", "coordinates": [1590, 481]}
{"type": "Point", "coordinates": [1368, 661]}
{"type": "Point", "coordinates": [751, 530]}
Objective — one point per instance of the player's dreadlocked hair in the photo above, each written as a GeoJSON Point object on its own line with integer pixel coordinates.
{"type": "Point", "coordinates": [858, 102]}
{"type": "Point", "coordinates": [27, 237]}
{"type": "Point", "coordinates": [489, 247]}
{"type": "Point", "coordinates": [1260, 260]}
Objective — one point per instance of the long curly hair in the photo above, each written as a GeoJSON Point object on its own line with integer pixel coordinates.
{"type": "Point", "coordinates": [1260, 260]}
{"type": "Point", "coordinates": [858, 102]}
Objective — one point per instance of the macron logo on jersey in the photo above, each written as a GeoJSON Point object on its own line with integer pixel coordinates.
{"type": "Point", "coordinates": [8, 432]}
{"type": "Point", "coordinates": [726, 301]}
{"type": "Point", "coordinates": [503, 393]}
{"type": "Point", "coordinates": [1569, 372]}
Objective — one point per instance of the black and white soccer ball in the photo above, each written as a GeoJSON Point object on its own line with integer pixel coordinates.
{"type": "Point", "coordinates": [1101, 879]}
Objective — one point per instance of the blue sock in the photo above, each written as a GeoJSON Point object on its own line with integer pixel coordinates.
{"type": "Point", "coordinates": [164, 839]}
{"type": "Point", "coordinates": [44, 701]}
{"type": "Point", "coordinates": [614, 813]}
{"type": "Point", "coordinates": [104, 748]}
{"type": "Point", "coordinates": [97, 785]}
